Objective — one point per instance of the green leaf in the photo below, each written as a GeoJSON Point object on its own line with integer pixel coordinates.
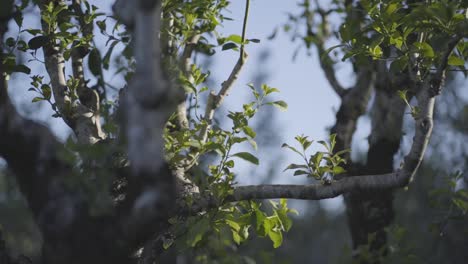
{"type": "Point", "coordinates": [37, 42]}
{"type": "Point", "coordinates": [197, 231]}
{"type": "Point", "coordinates": [293, 166]}
{"type": "Point", "coordinates": [376, 52]}
{"type": "Point", "coordinates": [259, 222]}
{"type": "Point", "coordinates": [285, 220]}
{"type": "Point", "coordinates": [236, 237]}
{"type": "Point", "coordinates": [229, 46]}
{"type": "Point", "coordinates": [307, 145]}
{"type": "Point", "coordinates": [341, 152]}
{"type": "Point", "coordinates": [249, 131]}
{"type": "Point", "coordinates": [254, 40]}
{"type": "Point", "coordinates": [247, 156]}
{"type": "Point", "coordinates": [399, 64]}
{"type": "Point", "coordinates": [106, 59]}
{"type": "Point", "coordinates": [323, 143]}
{"type": "Point", "coordinates": [330, 49]}
{"type": "Point", "coordinates": [212, 146]}
{"type": "Point", "coordinates": [253, 144]}
{"type": "Point", "coordinates": [37, 99]}
{"type": "Point", "coordinates": [235, 38]}
{"type": "Point", "coordinates": [10, 42]}
{"type": "Point", "coordinates": [338, 170]}
{"type": "Point", "coordinates": [33, 31]}
{"type": "Point", "coordinates": [332, 142]}
{"type": "Point", "coordinates": [425, 48]}
{"type": "Point", "coordinates": [316, 158]}
{"type": "Point", "coordinates": [22, 68]}
{"type": "Point", "coordinates": [234, 226]}
{"type": "Point", "coordinates": [95, 62]}
{"type": "Point", "coordinates": [282, 105]}
{"type": "Point", "coordinates": [167, 242]}
{"type": "Point", "coordinates": [300, 172]}
{"type": "Point", "coordinates": [46, 91]}
{"type": "Point", "coordinates": [291, 148]}
{"type": "Point", "coordinates": [276, 237]}
{"type": "Point", "coordinates": [455, 61]}
{"type": "Point", "coordinates": [402, 95]}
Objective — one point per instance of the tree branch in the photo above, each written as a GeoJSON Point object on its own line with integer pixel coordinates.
{"type": "Point", "coordinates": [80, 118]}
{"type": "Point", "coordinates": [214, 101]}
{"type": "Point", "coordinates": [185, 65]}
{"type": "Point", "coordinates": [327, 66]}
{"type": "Point", "coordinates": [326, 62]}
{"type": "Point", "coordinates": [317, 191]}
{"type": "Point", "coordinates": [400, 178]}
{"type": "Point", "coordinates": [149, 101]}
{"type": "Point", "coordinates": [62, 214]}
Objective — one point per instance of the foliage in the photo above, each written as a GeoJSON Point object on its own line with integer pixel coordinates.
{"type": "Point", "coordinates": [405, 34]}
{"type": "Point", "coordinates": [313, 164]}
{"type": "Point", "coordinates": [70, 29]}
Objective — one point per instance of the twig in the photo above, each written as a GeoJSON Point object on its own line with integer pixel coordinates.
{"type": "Point", "coordinates": [214, 101]}
{"type": "Point", "coordinates": [185, 66]}
{"type": "Point", "coordinates": [326, 63]}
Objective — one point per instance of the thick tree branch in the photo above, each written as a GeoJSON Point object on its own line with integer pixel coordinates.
{"type": "Point", "coordinates": [149, 101]}
{"type": "Point", "coordinates": [62, 214]}
{"type": "Point", "coordinates": [317, 191]}
{"type": "Point", "coordinates": [353, 106]}
{"type": "Point", "coordinates": [386, 114]}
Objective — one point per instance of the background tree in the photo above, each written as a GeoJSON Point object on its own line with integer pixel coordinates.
{"type": "Point", "coordinates": [133, 180]}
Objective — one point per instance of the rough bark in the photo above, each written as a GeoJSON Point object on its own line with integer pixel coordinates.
{"type": "Point", "coordinates": [71, 232]}
{"type": "Point", "coordinates": [148, 103]}
{"type": "Point", "coordinates": [82, 116]}
{"type": "Point", "coordinates": [369, 212]}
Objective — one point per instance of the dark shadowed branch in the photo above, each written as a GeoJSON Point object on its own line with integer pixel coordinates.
{"type": "Point", "coordinates": [149, 101]}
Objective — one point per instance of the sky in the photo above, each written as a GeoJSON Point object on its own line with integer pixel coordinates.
{"type": "Point", "coordinates": [312, 102]}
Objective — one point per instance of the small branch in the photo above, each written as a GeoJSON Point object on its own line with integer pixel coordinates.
{"type": "Point", "coordinates": [327, 67]}
{"type": "Point", "coordinates": [326, 63]}
{"type": "Point", "coordinates": [215, 101]}
{"type": "Point", "coordinates": [186, 63]}
{"type": "Point", "coordinates": [244, 26]}
{"type": "Point", "coordinates": [440, 72]}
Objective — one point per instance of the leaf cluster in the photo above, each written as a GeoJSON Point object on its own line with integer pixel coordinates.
{"type": "Point", "coordinates": [322, 165]}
